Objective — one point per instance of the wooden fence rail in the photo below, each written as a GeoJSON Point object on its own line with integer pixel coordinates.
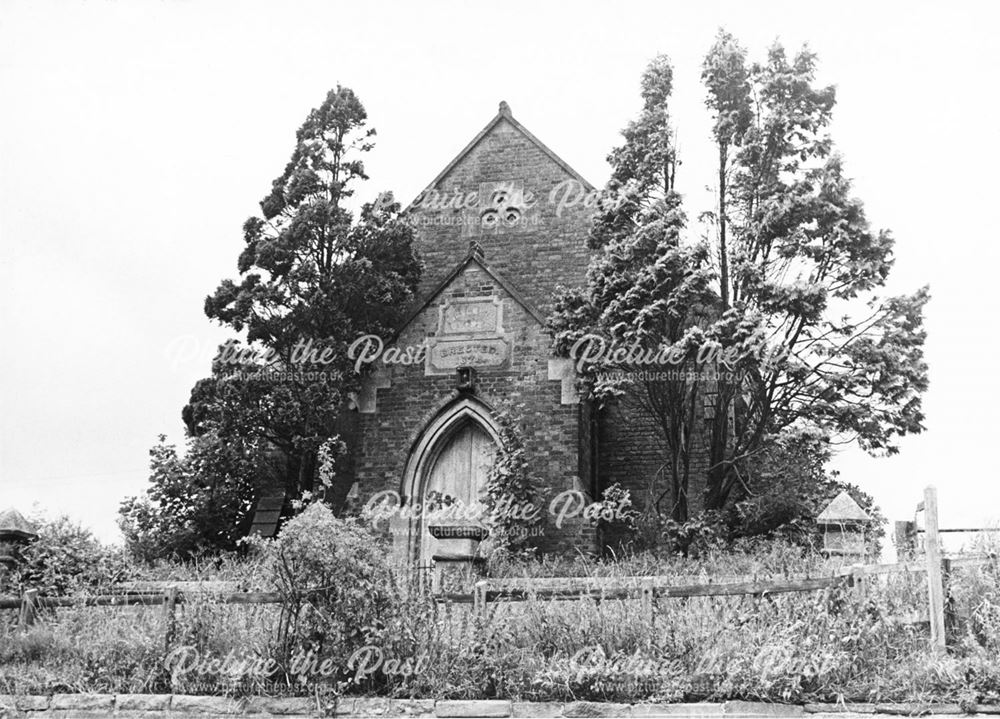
{"type": "Point", "coordinates": [644, 588]}
{"type": "Point", "coordinates": [30, 603]}
{"type": "Point", "coordinates": [680, 591]}
{"type": "Point", "coordinates": [127, 600]}
{"type": "Point", "coordinates": [938, 568]}
{"type": "Point", "coordinates": [617, 588]}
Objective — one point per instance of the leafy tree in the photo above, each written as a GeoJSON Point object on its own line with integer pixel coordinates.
{"type": "Point", "coordinates": [645, 287]}
{"type": "Point", "coordinates": [728, 85]}
{"type": "Point", "coordinates": [313, 277]}
{"type": "Point", "coordinates": [806, 272]}
{"type": "Point", "coordinates": [199, 502]}
{"type": "Point", "coordinates": [644, 167]}
{"type": "Point", "coordinates": [774, 340]}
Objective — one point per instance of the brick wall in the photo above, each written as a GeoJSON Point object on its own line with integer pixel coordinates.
{"type": "Point", "coordinates": [544, 249]}
{"type": "Point", "coordinates": [412, 399]}
{"type": "Point", "coordinates": [569, 445]}
{"type": "Point", "coordinates": [632, 453]}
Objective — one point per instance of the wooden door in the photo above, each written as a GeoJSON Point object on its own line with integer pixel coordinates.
{"type": "Point", "coordinates": [459, 471]}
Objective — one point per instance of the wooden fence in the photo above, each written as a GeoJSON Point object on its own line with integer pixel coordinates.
{"type": "Point", "coordinates": [644, 589]}
{"type": "Point", "coordinates": [30, 604]}
{"type": "Point", "coordinates": [648, 588]}
{"type": "Point", "coordinates": [937, 567]}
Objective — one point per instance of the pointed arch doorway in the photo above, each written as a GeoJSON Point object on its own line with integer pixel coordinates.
{"type": "Point", "coordinates": [452, 459]}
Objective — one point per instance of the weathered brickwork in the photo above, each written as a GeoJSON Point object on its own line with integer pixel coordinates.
{"type": "Point", "coordinates": [495, 227]}
{"type": "Point", "coordinates": [412, 399]}
{"type": "Point", "coordinates": [546, 248]}
{"type": "Point", "coordinates": [632, 453]}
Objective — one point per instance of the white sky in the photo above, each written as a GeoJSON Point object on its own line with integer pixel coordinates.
{"type": "Point", "coordinates": [136, 137]}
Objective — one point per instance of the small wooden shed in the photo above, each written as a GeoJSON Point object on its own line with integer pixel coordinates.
{"type": "Point", "coordinates": [843, 523]}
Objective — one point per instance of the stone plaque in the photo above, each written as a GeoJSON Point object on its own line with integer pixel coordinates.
{"type": "Point", "coordinates": [470, 317]}
{"type": "Point", "coordinates": [447, 355]}
{"type": "Point", "coordinates": [469, 334]}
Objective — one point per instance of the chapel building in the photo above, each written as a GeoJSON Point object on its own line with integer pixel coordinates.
{"type": "Point", "coordinates": [495, 248]}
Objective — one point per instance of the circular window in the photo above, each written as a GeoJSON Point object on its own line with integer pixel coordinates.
{"type": "Point", "coordinates": [491, 218]}
{"type": "Point", "coordinates": [511, 216]}
{"type": "Point", "coordinates": [500, 198]}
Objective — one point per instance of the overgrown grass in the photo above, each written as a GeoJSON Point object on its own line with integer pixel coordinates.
{"type": "Point", "coordinates": [764, 559]}
{"type": "Point", "coordinates": [840, 644]}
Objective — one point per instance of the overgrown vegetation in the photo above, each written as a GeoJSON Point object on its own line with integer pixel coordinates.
{"type": "Point", "coordinates": [67, 558]}
{"type": "Point", "coordinates": [314, 275]}
{"type": "Point", "coordinates": [509, 486]}
{"type": "Point", "coordinates": [336, 586]}
{"type": "Point", "coordinates": [771, 325]}
{"type": "Point", "coordinates": [791, 243]}
{"type": "Point", "coordinates": [345, 603]}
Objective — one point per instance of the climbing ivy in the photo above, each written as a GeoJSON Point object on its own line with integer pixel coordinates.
{"type": "Point", "coordinates": [511, 499]}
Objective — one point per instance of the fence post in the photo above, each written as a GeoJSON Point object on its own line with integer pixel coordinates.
{"type": "Point", "coordinates": [935, 580]}
{"type": "Point", "coordinates": [857, 583]}
{"type": "Point", "coordinates": [29, 609]}
{"type": "Point", "coordinates": [479, 599]}
{"type": "Point", "coordinates": [950, 615]}
{"type": "Point", "coordinates": [437, 577]}
{"type": "Point", "coordinates": [647, 600]}
{"type": "Point", "coordinates": [170, 615]}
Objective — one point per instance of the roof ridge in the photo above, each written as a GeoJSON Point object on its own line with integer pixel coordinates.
{"type": "Point", "coordinates": [503, 114]}
{"type": "Point", "coordinates": [843, 507]}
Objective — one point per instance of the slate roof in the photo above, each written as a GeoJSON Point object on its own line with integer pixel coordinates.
{"type": "Point", "coordinates": [267, 516]}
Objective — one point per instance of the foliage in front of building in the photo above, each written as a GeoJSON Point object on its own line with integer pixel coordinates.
{"type": "Point", "coordinates": [511, 490]}
{"type": "Point", "coordinates": [337, 589]}
{"type": "Point", "coordinates": [811, 646]}
{"type": "Point", "coordinates": [197, 502]}
{"type": "Point", "coordinates": [313, 278]}
{"type": "Point", "coordinates": [776, 324]}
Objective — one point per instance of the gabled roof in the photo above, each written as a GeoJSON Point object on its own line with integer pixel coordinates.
{"type": "Point", "coordinates": [475, 256]}
{"type": "Point", "coordinates": [842, 509]}
{"type": "Point", "coordinates": [504, 115]}
{"type": "Point", "coordinates": [14, 525]}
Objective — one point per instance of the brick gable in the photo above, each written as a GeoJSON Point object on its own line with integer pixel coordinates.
{"type": "Point", "coordinates": [407, 398]}
{"type": "Point", "coordinates": [544, 248]}
{"type": "Point", "coordinates": [498, 277]}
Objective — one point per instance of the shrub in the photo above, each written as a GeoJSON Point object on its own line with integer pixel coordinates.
{"type": "Point", "coordinates": [338, 589]}
{"type": "Point", "coordinates": [66, 557]}
{"type": "Point", "coordinates": [197, 503]}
